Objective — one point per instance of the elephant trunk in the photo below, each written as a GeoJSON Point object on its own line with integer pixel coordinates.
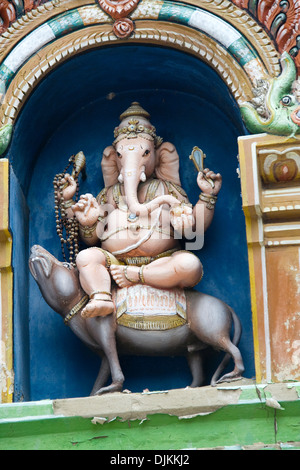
{"type": "Point", "coordinates": [132, 178]}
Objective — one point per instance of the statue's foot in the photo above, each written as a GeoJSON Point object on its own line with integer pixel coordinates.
{"type": "Point", "coordinates": [125, 276]}
{"type": "Point", "coordinates": [97, 308]}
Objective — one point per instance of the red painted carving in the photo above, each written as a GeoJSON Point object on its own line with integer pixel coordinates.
{"type": "Point", "coordinates": [119, 10]}
{"type": "Point", "coordinates": [30, 5]}
{"type": "Point", "coordinates": [7, 15]}
{"type": "Point", "coordinates": [286, 36]}
{"type": "Point", "coordinates": [241, 3]}
{"type": "Point", "coordinates": [263, 9]}
{"type": "Point", "coordinates": [281, 20]}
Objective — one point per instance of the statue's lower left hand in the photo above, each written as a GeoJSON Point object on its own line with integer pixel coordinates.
{"type": "Point", "coordinates": [86, 210]}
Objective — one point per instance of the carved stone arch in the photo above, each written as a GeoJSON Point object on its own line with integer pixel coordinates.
{"type": "Point", "coordinates": [224, 9]}
{"type": "Point", "coordinates": [218, 33]}
{"type": "Point", "coordinates": [146, 32]}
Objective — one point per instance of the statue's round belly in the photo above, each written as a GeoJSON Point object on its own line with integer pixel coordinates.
{"type": "Point", "coordinates": [135, 238]}
{"type": "Point", "coordinates": [151, 247]}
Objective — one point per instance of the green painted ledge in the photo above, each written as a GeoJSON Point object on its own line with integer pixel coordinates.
{"type": "Point", "coordinates": [231, 416]}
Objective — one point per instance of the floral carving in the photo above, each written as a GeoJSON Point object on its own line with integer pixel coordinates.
{"type": "Point", "coordinates": [123, 28]}
{"type": "Point", "coordinates": [119, 10]}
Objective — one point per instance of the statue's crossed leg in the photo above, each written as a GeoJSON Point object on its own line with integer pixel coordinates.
{"type": "Point", "coordinates": [181, 269]}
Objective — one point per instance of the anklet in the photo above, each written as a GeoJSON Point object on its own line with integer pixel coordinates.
{"type": "Point", "coordinates": [128, 278]}
{"type": "Point", "coordinates": [91, 296]}
{"type": "Point", "coordinates": [141, 276]}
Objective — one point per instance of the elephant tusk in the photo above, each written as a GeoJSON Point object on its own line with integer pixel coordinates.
{"type": "Point", "coordinates": [143, 176]}
{"type": "Point", "coordinates": [120, 178]}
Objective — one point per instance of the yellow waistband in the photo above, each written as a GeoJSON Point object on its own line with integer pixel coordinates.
{"type": "Point", "coordinates": [134, 260]}
{"type": "Point", "coordinates": [140, 260]}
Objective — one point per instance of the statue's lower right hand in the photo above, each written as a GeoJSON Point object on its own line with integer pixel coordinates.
{"type": "Point", "coordinates": [86, 210]}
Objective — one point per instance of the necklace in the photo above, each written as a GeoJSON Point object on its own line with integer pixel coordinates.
{"type": "Point", "coordinates": [132, 217]}
{"type": "Point", "coordinates": [119, 199]}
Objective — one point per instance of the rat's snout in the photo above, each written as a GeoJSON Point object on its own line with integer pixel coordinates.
{"type": "Point", "coordinates": [39, 263]}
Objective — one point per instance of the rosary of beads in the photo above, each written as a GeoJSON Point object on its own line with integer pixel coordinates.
{"type": "Point", "coordinates": [66, 225]}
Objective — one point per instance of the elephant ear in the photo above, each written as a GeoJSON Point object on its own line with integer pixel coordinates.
{"type": "Point", "coordinates": [109, 166]}
{"type": "Point", "coordinates": [167, 163]}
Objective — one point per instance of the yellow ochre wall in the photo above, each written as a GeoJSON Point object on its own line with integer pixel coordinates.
{"type": "Point", "coordinates": [269, 168]}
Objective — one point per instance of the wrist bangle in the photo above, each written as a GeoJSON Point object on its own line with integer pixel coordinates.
{"type": "Point", "coordinates": [210, 200]}
{"type": "Point", "coordinates": [88, 231]}
{"type": "Point", "coordinates": [67, 204]}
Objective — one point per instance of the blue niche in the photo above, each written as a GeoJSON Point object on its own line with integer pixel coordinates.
{"type": "Point", "coordinates": [76, 107]}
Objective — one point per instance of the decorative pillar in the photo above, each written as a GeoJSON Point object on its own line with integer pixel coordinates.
{"type": "Point", "coordinates": [6, 290]}
{"type": "Point", "coordinates": [270, 176]}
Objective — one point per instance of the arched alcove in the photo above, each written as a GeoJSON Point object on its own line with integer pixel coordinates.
{"type": "Point", "coordinates": [76, 107]}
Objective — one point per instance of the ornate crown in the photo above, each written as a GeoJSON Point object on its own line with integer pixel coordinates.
{"type": "Point", "coordinates": [134, 127]}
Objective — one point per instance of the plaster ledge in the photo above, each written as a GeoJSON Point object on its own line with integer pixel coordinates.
{"type": "Point", "coordinates": [183, 403]}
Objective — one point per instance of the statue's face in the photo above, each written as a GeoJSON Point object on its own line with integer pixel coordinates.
{"type": "Point", "coordinates": [135, 159]}
{"type": "Point", "coordinates": [136, 162]}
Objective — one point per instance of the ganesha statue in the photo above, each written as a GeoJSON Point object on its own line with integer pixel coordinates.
{"type": "Point", "coordinates": [130, 290]}
{"type": "Point", "coordinates": [142, 201]}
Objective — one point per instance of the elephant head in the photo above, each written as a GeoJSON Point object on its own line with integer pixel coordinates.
{"type": "Point", "coordinates": [275, 108]}
{"type": "Point", "coordinates": [137, 154]}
